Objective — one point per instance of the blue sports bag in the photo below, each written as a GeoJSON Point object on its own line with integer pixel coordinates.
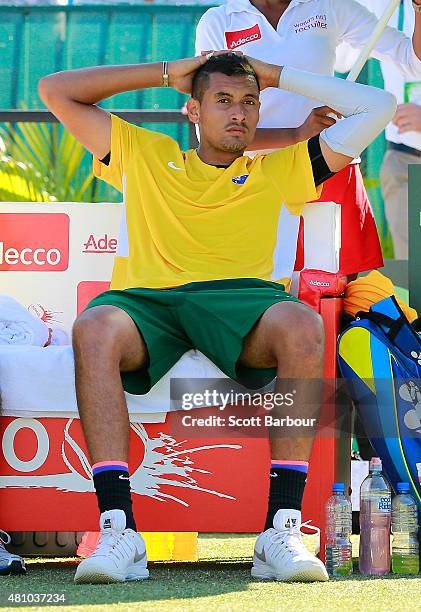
{"type": "Point", "coordinates": [379, 357]}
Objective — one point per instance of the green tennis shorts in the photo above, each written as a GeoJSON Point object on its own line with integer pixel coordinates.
{"type": "Point", "coordinates": [213, 317]}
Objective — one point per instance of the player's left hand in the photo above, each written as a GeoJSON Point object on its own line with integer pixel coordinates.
{"type": "Point", "coordinates": [319, 119]}
{"type": "Point", "coordinates": [408, 118]}
{"type": "Point", "coordinates": [268, 74]}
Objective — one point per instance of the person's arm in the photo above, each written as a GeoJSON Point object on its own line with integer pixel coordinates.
{"type": "Point", "coordinates": [355, 24]}
{"type": "Point", "coordinates": [366, 110]}
{"type": "Point", "coordinates": [416, 37]}
{"type": "Point", "coordinates": [72, 95]}
{"type": "Point", "coordinates": [277, 138]}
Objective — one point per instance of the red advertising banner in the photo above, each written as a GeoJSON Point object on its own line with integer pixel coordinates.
{"type": "Point", "coordinates": [177, 484]}
{"type": "Point", "coordinates": [206, 485]}
{"type": "Point", "coordinates": [34, 242]}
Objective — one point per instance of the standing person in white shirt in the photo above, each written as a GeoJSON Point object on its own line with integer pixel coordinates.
{"type": "Point", "coordinates": [403, 134]}
{"type": "Point", "coordinates": [305, 34]}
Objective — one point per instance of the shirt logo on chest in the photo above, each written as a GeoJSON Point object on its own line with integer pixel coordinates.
{"type": "Point", "coordinates": [241, 37]}
{"type": "Point", "coordinates": [240, 180]}
{"type": "Point", "coordinates": [317, 21]}
{"type": "Point", "coordinates": [172, 165]}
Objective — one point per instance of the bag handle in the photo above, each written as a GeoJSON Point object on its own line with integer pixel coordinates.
{"type": "Point", "coordinates": [416, 325]}
{"type": "Point", "coordinates": [394, 325]}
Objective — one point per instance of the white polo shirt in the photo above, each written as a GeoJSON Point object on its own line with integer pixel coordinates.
{"type": "Point", "coordinates": [306, 37]}
{"type": "Point", "coordinates": [406, 88]}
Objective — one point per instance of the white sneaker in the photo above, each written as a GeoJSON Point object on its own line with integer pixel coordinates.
{"type": "Point", "coordinates": [280, 553]}
{"type": "Point", "coordinates": [120, 555]}
{"type": "Point", "coordinates": [9, 563]}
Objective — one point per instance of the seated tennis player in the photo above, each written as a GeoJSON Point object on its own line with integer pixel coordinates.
{"type": "Point", "coordinates": [195, 267]}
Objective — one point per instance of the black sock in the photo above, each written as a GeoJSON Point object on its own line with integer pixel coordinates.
{"type": "Point", "coordinates": [286, 491]}
{"type": "Point", "coordinates": [113, 492]}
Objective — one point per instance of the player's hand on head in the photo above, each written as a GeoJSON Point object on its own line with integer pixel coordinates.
{"type": "Point", "coordinates": [317, 121]}
{"type": "Point", "coordinates": [408, 118]}
{"type": "Point", "coordinates": [268, 74]}
{"type": "Point", "coordinates": [181, 72]}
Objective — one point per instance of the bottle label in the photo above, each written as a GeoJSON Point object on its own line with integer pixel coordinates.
{"type": "Point", "coordinates": [385, 503]}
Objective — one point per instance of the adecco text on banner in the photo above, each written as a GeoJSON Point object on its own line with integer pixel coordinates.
{"type": "Point", "coordinates": [34, 242]}
{"type": "Point", "coordinates": [100, 244]}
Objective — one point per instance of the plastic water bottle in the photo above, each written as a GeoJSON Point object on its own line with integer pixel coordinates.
{"type": "Point", "coordinates": [339, 529]}
{"type": "Point", "coordinates": [375, 519]}
{"type": "Point", "coordinates": [405, 548]}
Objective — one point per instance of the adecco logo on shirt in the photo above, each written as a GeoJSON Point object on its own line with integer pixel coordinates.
{"type": "Point", "coordinates": [34, 242]}
{"type": "Point", "coordinates": [236, 39]}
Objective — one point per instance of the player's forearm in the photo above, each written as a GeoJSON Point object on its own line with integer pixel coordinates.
{"type": "Point", "coordinates": [90, 85]}
{"type": "Point", "coordinates": [416, 37]}
{"type": "Point", "coordinates": [274, 138]}
{"type": "Point", "coordinates": [366, 110]}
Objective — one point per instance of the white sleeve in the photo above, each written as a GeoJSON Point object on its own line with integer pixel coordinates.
{"type": "Point", "coordinates": [210, 32]}
{"type": "Point", "coordinates": [366, 110]}
{"type": "Point", "coordinates": [355, 24]}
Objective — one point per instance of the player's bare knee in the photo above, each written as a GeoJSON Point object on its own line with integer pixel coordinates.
{"type": "Point", "coordinates": [308, 330]}
{"type": "Point", "coordinates": [298, 330]}
{"type": "Point", "coordinates": [99, 326]}
{"type": "Point", "coordinates": [308, 341]}
{"type": "Point", "coordinates": [311, 322]}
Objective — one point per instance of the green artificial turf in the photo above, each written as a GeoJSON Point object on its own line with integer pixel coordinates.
{"type": "Point", "coordinates": [219, 581]}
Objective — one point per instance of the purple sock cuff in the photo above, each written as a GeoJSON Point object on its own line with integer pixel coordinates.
{"type": "Point", "coordinates": [297, 466]}
{"type": "Point", "coordinates": [106, 466]}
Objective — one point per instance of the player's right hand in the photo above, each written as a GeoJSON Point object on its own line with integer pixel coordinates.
{"type": "Point", "coordinates": [181, 72]}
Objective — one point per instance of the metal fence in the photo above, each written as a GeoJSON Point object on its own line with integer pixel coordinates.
{"type": "Point", "coordinates": [133, 116]}
{"type": "Point", "coordinates": [102, 191]}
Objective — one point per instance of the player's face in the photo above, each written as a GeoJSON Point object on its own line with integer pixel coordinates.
{"type": "Point", "coordinates": [229, 112]}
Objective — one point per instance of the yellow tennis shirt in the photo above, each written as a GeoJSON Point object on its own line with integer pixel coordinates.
{"type": "Point", "coordinates": [185, 221]}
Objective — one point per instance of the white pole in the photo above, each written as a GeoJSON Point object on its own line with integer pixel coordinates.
{"type": "Point", "coordinates": [377, 32]}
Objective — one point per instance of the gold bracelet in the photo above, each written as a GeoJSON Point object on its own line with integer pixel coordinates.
{"type": "Point", "coordinates": [165, 75]}
{"type": "Point", "coordinates": [417, 7]}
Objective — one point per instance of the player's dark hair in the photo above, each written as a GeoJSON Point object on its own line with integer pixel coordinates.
{"type": "Point", "coordinates": [230, 64]}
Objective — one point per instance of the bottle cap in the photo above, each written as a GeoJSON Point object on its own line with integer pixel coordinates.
{"type": "Point", "coordinates": [403, 487]}
{"type": "Point", "coordinates": [338, 487]}
{"type": "Point", "coordinates": [375, 464]}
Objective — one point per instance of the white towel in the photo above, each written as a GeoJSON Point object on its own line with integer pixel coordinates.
{"type": "Point", "coordinates": [18, 326]}
{"type": "Point", "coordinates": [39, 382]}
{"type": "Point", "coordinates": [59, 337]}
